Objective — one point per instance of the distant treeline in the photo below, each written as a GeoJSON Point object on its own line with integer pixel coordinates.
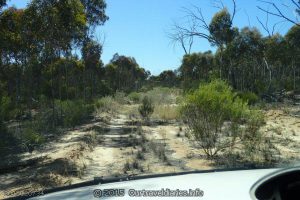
{"type": "Point", "coordinates": [48, 50]}
{"type": "Point", "coordinates": [245, 58]}
{"type": "Point", "coordinates": [250, 62]}
{"type": "Point", "coordinates": [39, 47]}
{"type": "Point", "coordinates": [51, 71]}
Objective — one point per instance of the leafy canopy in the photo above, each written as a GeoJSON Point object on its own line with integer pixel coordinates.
{"type": "Point", "coordinates": [220, 27]}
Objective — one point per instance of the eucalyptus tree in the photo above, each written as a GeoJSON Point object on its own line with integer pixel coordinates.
{"type": "Point", "coordinates": [219, 31]}
{"type": "Point", "coordinates": [91, 52]}
{"type": "Point", "coordinates": [196, 68]}
{"type": "Point", "coordinates": [293, 45]}
{"type": "Point", "coordinates": [95, 12]}
{"type": "Point", "coordinates": [168, 78]}
{"type": "Point", "coordinates": [123, 73]}
{"type": "Point", "coordinates": [2, 3]}
{"type": "Point", "coordinates": [57, 25]}
{"type": "Point", "coordinates": [11, 50]}
{"type": "Point", "coordinates": [276, 59]}
{"type": "Point", "coordinates": [243, 57]}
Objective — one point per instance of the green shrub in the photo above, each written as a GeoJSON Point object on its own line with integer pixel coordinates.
{"type": "Point", "coordinates": [207, 109]}
{"type": "Point", "coordinates": [260, 87]}
{"type": "Point", "coordinates": [287, 83]}
{"type": "Point", "coordinates": [162, 95]}
{"type": "Point", "coordinates": [220, 122]}
{"type": "Point", "coordinates": [26, 139]}
{"type": "Point", "coordinates": [75, 112]}
{"type": "Point", "coordinates": [135, 97]}
{"type": "Point", "coordinates": [249, 97]}
{"type": "Point", "coordinates": [107, 104]}
{"type": "Point", "coordinates": [7, 109]}
{"type": "Point", "coordinates": [104, 89]}
{"type": "Point", "coordinates": [140, 155]}
{"type": "Point", "coordinates": [120, 97]}
{"type": "Point", "coordinates": [5, 139]}
{"type": "Point", "coordinates": [258, 149]}
{"type": "Point", "coordinates": [147, 108]}
{"type": "Point", "coordinates": [62, 114]}
{"type": "Point", "coordinates": [47, 120]}
{"type": "Point", "coordinates": [255, 118]}
{"type": "Point", "coordinates": [31, 138]}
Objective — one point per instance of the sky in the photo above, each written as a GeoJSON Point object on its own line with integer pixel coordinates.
{"type": "Point", "coordinates": [139, 28]}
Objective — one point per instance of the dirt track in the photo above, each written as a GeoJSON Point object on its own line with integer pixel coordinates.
{"type": "Point", "coordinates": [104, 146]}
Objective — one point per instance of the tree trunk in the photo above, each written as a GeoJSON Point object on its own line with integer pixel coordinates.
{"type": "Point", "coordinates": [270, 73]}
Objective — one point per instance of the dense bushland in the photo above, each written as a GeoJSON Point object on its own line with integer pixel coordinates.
{"type": "Point", "coordinates": [50, 73]}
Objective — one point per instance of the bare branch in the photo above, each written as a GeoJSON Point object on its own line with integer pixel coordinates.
{"type": "Point", "coordinates": [196, 26]}
{"type": "Point", "coordinates": [197, 17]}
{"type": "Point", "coordinates": [278, 12]}
{"type": "Point", "coordinates": [218, 4]}
{"type": "Point", "coordinates": [234, 10]}
{"type": "Point", "coordinates": [178, 35]}
{"type": "Point", "coordinates": [191, 42]}
{"type": "Point", "coordinates": [249, 23]}
{"type": "Point", "coordinates": [264, 26]}
{"type": "Point", "coordinates": [101, 39]}
{"type": "Point", "coordinates": [296, 4]}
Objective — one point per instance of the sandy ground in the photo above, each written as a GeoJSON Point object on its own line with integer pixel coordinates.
{"type": "Point", "coordinates": [284, 124]}
{"type": "Point", "coordinates": [104, 147]}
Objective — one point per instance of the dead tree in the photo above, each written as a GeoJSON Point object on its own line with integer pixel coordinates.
{"type": "Point", "coordinates": [178, 36]}
{"type": "Point", "coordinates": [196, 26]}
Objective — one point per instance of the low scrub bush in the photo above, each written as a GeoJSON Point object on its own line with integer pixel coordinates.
{"type": "Point", "coordinates": [75, 112]}
{"type": "Point", "coordinates": [47, 120]}
{"type": "Point", "coordinates": [8, 141]}
{"type": "Point", "coordinates": [140, 155]}
{"type": "Point", "coordinates": [120, 97]}
{"type": "Point", "coordinates": [147, 108]}
{"type": "Point", "coordinates": [6, 107]}
{"type": "Point", "coordinates": [31, 138]}
{"type": "Point", "coordinates": [133, 165]}
{"type": "Point", "coordinates": [166, 112]}
{"type": "Point", "coordinates": [134, 97]}
{"type": "Point", "coordinates": [14, 142]}
{"type": "Point", "coordinates": [107, 104]}
{"type": "Point", "coordinates": [10, 111]}
{"type": "Point", "coordinates": [219, 121]}
{"type": "Point", "coordinates": [159, 149]}
{"type": "Point", "coordinates": [249, 97]}
{"type": "Point", "coordinates": [63, 114]}
{"type": "Point", "coordinates": [205, 111]}
{"type": "Point", "coordinates": [163, 95]}
{"type": "Point", "coordinates": [258, 147]}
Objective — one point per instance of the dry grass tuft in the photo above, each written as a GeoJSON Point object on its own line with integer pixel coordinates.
{"type": "Point", "coordinates": [166, 112]}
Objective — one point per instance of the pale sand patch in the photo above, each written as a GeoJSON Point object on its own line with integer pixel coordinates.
{"type": "Point", "coordinates": [284, 125]}
{"type": "Point", "coordinates": [199, 164]}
